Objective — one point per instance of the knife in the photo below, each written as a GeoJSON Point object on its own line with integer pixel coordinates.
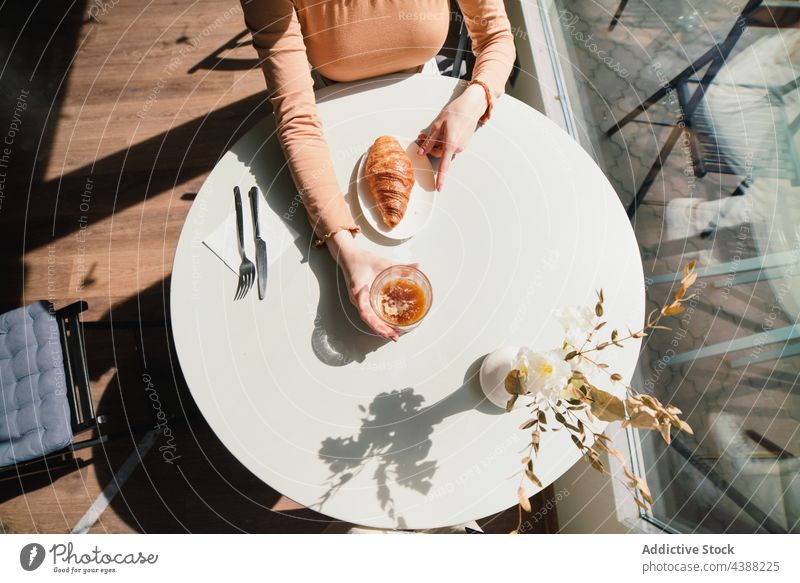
{"type": "Point", "coordinates": [261, 246]}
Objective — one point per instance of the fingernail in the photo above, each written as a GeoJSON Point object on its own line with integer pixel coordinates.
{"type": "Point", "coordinates": [420, 152]}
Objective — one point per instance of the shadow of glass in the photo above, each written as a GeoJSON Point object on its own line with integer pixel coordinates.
{"type": "Point", "coordinates": [339, 336]}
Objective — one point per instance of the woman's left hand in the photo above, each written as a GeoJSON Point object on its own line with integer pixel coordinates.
{"type": "Point", "coordinates": [452, 129]}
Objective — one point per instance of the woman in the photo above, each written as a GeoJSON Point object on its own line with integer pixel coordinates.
{"type": "Point", "coordinates": [347, 40]}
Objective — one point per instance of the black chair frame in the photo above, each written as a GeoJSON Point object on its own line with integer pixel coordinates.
{"type": "Point", "coordinates": [712, 61]}
{"type": "Point", "coordinates": [83, 417]}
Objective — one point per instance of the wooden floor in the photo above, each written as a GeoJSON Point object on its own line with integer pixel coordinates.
{"type": "Point", "coordinates": [127, 110]}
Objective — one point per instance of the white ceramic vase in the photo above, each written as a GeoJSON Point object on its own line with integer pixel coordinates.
{"type": "Point", "coordinates": [494, 369]}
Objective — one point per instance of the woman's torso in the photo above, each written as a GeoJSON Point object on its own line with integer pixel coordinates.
{"type": "Point", "coordinates": [348, 40]}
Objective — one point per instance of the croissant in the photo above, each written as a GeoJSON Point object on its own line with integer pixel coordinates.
{"type": "Point", "coordinates": [390, 177]}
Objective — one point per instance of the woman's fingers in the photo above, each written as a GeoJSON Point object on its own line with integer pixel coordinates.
{"type": "Point", "coordinates": [432, 148]}
{"type": "Point", "coordinates": [430, 141]}
{"type": "Point", "coordinates": [370, 318]}
{"type": "Point", "coordinates": [444, 166]}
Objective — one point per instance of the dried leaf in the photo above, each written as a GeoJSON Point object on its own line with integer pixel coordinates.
{"type": "Point", "coordinates": [689, 267]}
{"type": "Point", "coordinates": [650, 401]}
{"type": "Point", "coordinates": [673, 309]}
{"type": "Point", "coordinates": [571, 355]}
{"type": "Point", "coordinates": [664, 428]}
{"type": "Point", "coordinates": [528, 424]}
{"type": "Point", "coordinates": [598, 310]}
{"type": "Point", "coordinates": [646, 493]}
{"type": "Point", "coordinates": [689, 280]}
{"type": "Point", "coordinates": [616, 377]}
{"type": "Point", "coordinates": [523, 499]}
{"type": "Point", "coordinates": [641, 485]}
{"type": "Point", "coordinates": [595, 462]}
{"type": "Point", "coordinates": [616, 453]}
{"type": "Point", "coordinates": [511, 402]}
{"type": "Point", "coordinates": [536, 440]}
{"type": "Point", "coordinates": [515, 382]}
{"type": "Point", "coordinates": [642, 418]}
{"type": "Point", "coordinates": [606, 406]}
{"type": "Point", "coordinates": [533, 478]}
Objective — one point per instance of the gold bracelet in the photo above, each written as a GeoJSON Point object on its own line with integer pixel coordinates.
{"type": "Point", "coordinates": [489, 100]}
{"type": "Point", "coordinates": [320, 242]}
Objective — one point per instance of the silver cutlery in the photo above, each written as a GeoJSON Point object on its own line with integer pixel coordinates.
{"type": "Point", "coordinates": [261, 246]}
{"type": "Point", "coordinates": [247, 271]}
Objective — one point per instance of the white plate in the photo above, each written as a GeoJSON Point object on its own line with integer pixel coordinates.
{"type": "Point", "coordinates": [420, 203]}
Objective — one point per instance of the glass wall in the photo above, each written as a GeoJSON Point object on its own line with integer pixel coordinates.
{"type": "Point", "coordinates": [726, 193]}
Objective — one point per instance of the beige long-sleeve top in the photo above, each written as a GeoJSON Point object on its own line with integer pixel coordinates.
{"type": "Point", "coordinates": [347, 40]}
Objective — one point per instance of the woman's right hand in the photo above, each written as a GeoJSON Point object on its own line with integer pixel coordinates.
{"type": "Point", "coordinates": [360, 268]}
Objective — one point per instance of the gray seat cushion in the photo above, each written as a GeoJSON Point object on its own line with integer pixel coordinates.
{"type": "Point", "coordinates": [34, 410]}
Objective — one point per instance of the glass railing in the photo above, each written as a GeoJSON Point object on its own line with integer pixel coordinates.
{"type": "Point", "coordinates": [710, 171]}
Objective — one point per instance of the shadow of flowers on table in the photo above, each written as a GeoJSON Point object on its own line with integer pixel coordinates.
{"type": "Point", "coordinates": [394, 442]}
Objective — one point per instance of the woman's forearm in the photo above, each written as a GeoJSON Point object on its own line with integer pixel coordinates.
{"type": "Point", "coordinates": [493, 41]}
{"type": "Point", "coordinates": [343, 247]}
{"type": "Point", "coordinates": [278, 38]}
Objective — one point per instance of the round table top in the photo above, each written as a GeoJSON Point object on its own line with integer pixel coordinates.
{"type": "Point", "coordinates": [399, 435]}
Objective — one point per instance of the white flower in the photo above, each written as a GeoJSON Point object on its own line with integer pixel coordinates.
{"type": "Point", "coordinates": [577, 322]}
{"type": "Point", "coordinates": [585, 366]}
{"type": "Point", "coordinates": [546, 372]}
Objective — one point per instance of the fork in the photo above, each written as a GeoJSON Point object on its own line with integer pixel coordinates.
{"type": "Point", "coordinates": [247, 270]}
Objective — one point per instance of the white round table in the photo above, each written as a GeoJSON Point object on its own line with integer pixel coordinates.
{"type": "Point", "coordinates": [398, 435]}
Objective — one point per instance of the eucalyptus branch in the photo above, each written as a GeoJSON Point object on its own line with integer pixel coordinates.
{"type": "Point", "coordinates": [637, 410]}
